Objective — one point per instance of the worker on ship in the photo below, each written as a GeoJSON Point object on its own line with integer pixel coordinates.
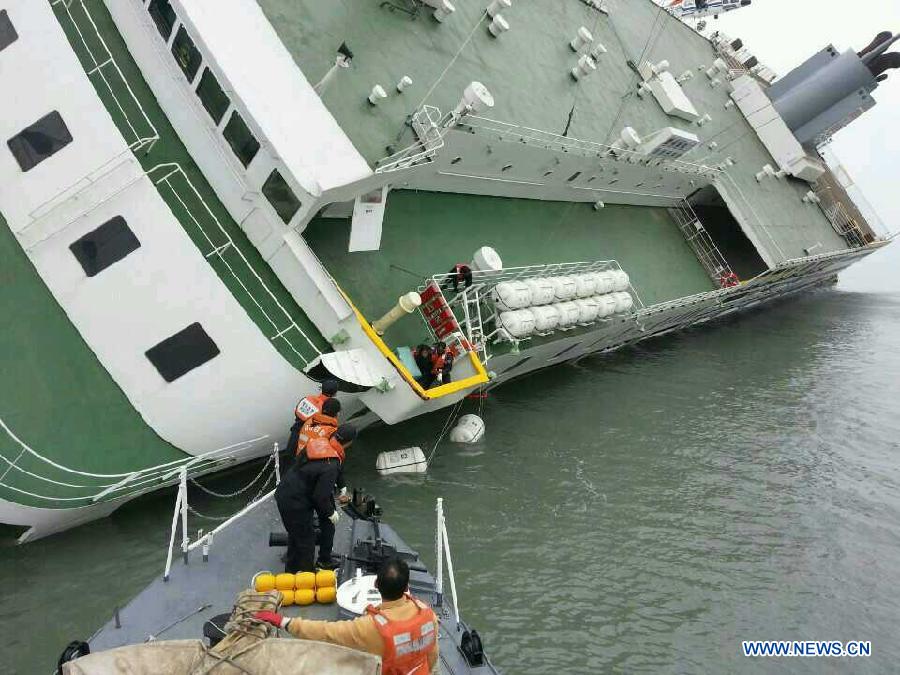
{"type": "Point", "coordinates": [321, 425]}
{"type": "Point", "coordinates": [402, 630]}
{"type": "Point", "coordinates": [307, 407]}
{"type": "Point", "coordinates": [308, 488]}
{"type": "Point", "coordinates": [422, 357]}
{"type": "Point", "coordinates": [441, 364]}
{"type": "Point", "coordinates": [459, 273]}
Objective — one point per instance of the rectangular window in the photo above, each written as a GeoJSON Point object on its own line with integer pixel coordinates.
{"type": "Point", "coordinates": [163, 16]}
{"type": "Point", "coordinates": [280, 196]}
{"type": "Point", "coordinates": [187, 56]}
{"type": "Point", "coordinates": [8, 33]}
{"type": "Point", "coordinates": [181, 353]}
{"type": "Point", "coordinates": [44, 138]}
{"type": "Point", "coordinates": [106, 245]}
{"type": "Point", "coordinates": [241, 139]}
{"type": "Point", "coordinates": [211, 95]}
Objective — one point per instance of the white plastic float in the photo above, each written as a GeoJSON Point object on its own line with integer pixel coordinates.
{"type": "Point", "coordinates": [621, 282]}
{"type": "Point", "coordinates": [564, 288]}
{"type": "Point", "coordinates": [407, 460]}
{"type": "Point", "coordinates": [568, 314]}
{"type": "Point", "coordinates": [511, 295]}
{"type": "Point", "coordinates": [585, 285]}
{"type": "Point", "coordinates": [518, 323]}
{"type": "Point", "coordinates": [624, 302]}
{"type": "Point", "coordinates": [546, 318]}
{"type": "Point", "coordinates": [588, 309]}
{"type": "Point", "coordinates": [542, 290]}
{"type": "Point", "coordinates": [469, 429]}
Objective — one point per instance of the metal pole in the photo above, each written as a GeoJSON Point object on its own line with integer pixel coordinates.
{"type": "Point", "coordinates": [172, 535]}
{"type": "Point", "coordinates": [439, 549]}
{"type": "Point", "coordinates": [277, 464]}
{"type": "Point", "coordinates": [185, 539]}
{"type": "Point", "coordinates": [450, 568]}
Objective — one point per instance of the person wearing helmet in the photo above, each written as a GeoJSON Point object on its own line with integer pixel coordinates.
{"type": "Point", "coordinates": [307, 407]}
{"type": "Point", "coordinates": [308, 488]}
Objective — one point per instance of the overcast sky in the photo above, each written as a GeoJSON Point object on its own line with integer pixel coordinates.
{"type": "Point", "coordinates": [782, 34]}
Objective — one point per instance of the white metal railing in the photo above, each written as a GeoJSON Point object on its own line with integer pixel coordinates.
{"type": "Point", "coordinates": [285, 326]}
{"type": "Point", "coordinates": [442, 548]}
{"type": "Point", "coordinates": [142, 130]}
{"type": "Point", "coordinates": [700, 242]}
{"type": "Point", "coordinates": [557, 143]}
{"type": "Point", "coordinates": [100, 487]}
{"type": "Point", "coordinates": [426, 122]}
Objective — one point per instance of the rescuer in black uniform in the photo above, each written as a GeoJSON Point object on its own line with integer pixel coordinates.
{"type": "Point", "coordinates": [309, 487]}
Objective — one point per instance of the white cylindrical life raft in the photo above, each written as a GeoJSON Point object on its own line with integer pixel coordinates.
{"type": "Point", "coordinates": [564, 288]}
{"type": "Point", "coordinates": [407, 460]}
{"type": "Point", "coordinates": [604, 282]}
{"type": "Point", "coordinates": [624, 302]}
{"type": "Point", "coordinates": [486, 259]}
{"type": "Point", "coordinates": [546, 318]}
{"type": "Point", "coordinates": [621, 282]}
{"type": "Point", "coordinates": [588, 309]}
{"type": "Point", "coordinates": [469, 429]}
{"type": "Point", "coordinates": [585, 285]}
{"type": "Point", "coordinates": [518, 323]}
{"type": "Point", "coordinates": [542, 291]}
{"type": "Point", "coordinates": [607, 305]}
{"type": "Point", "coordinates": [510, 295]}
{"type": "Point", "coordinates": [568, 313]}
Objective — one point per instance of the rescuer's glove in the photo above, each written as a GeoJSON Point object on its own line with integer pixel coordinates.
{"type": "Point", "coordinates": [273, 618]}
{"type": "Point", "coordinates": [335, 517]}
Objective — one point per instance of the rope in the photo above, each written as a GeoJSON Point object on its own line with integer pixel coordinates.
{"type": "Point", "coordinates": [229, 495]}
{"type": "Point", "coordinates": [452, 60]}
{"type": "Point", "coordinates": [447, 424]}
{"type": "Point", "coordinates": [219, 519]}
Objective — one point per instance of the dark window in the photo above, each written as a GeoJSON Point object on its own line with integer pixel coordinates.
{"type": "Point", "coordinates": [280, 196]}
{"type": "Point", "coordinates": [181, 353]}
{"type": "Point", "coordinates": [163, 16]}
{"type": "Point", "coordinates": [33, 145]}
{"type": "Point", "coordinates": [8, 33]}
{"type": "Point", "coordinates": [187, 56]}
{"type": "Point", "coordinates": [241, 139]}
{"type": "Point", "coordinates": [211, 95]}
{"type": "Point", "coordinates": [106, 245]}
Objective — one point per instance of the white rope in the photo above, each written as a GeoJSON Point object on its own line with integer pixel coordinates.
{"type": "Point", "coordinates": [446, 428]}
{"type": "Point", "coordinates": [452, 61]}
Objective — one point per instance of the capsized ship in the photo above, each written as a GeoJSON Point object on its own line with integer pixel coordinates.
{"type": "Point", "coordinates": [210, 206]}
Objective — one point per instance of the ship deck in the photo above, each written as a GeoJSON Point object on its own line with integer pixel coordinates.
{"type": "Point", "coordinates": [527, 71]}
{"type": "Point", "coordinates": [427, 233]}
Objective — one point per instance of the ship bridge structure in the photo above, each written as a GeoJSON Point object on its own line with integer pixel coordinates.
{"type": "Point", "coordinates": [208, 206]}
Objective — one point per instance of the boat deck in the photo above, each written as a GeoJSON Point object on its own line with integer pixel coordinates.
{"type": "Point", "coordinates": [427, 233]}
{"type": "Point", "coordinates": [527, 71]}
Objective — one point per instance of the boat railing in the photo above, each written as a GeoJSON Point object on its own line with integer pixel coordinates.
{"type": "Point", "coordinates": [222, 247]}
{"type": "Point", "coordinates": [442, 549]}
{"type": "Point", "coordinates": [701, 243]}
{"type": "Point", "coordinates": [426, 123]}
{"type": "Point", "coordinates": [104, 71]}
{"type": "Point", "coordinates": [94, 488]}
{"type": "Point", "coordinates": [550, 141]}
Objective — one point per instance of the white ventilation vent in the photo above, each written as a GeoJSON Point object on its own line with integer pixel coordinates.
{"type": "Point", "coordinates": [669, 143]}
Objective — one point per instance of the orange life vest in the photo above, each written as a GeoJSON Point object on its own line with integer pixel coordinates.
{"type": "Point", "coordinates": [309, 406]}
{"type": "Point", "coordinates": [324, 448]}
{"type": "Point", "coordinates": [408, 643]}
{"type": "Point", "coordinates": [319, 425]}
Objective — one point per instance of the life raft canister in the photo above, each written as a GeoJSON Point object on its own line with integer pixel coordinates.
{"type": "Point", "coordinates": [324, 448]}
{"type": "Point", "coordinates": [406, 643]}
{"type": "Point", "coordinates": [309, 406]}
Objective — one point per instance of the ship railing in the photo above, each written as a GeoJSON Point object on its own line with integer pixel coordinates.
{"type": "Point", "coordinates": [550, 141]}
{"type": "Point", "coordinates": [442, 550]}
{"type": "Point", "coordinates": [96, 488]}
{"type": "Point", "coordinates": [701, 243]}
{"type": "Point", "coordinates": [426, 123]}
{"type": "Point", "coordinates": [223, 247]}
{"type": "Point", "coordinates": [101, 67]}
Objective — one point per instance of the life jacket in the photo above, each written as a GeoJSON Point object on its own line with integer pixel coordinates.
{"type": "Point", "coordinates": [437, 362]}
{"type": "Point", "coordinates": [324, 448]}
{"type": "Point", "coordinates": [309, 406]}
{"type": "Point", "coordinates": [319, 425]}
{"type": "Point", "coordinates": [407, 643]}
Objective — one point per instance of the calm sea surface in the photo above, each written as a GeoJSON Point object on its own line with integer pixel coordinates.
{"type": "Point", "coordinates": [640, 512]}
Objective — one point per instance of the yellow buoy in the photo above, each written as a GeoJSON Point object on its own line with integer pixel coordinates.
{"type": "Point", "coordinates": [264, 581]}
{"type": "Point", "coordinates": [304, 596]}
{"type": "Point", "coordinates": [284, 582]}
{"type": "Point", "coordinates": [287, 598]}
{"type": "Point", "coordinates": [304, 580]}
{"type": "Point", "coordinates": [325, 578]}
{"type": "Point", "coordinates": [326, 594]}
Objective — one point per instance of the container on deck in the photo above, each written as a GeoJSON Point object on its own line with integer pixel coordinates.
{"type": "Point", "coordinates": [621, 281]}
{"type": "Point", "coordinates": [564, 288]}
{"type": "Point", "coordinates": [568, 313]}
{"type": "Point", "coordinates": [518, 323]}
{"type": "Point", "coordinates": [511, 295]}
{"type": "Point", "coordinates": [585, 285]}
{"type": "Point", "coordinates": [588, 310]}
{"type": "Point", "coordinates": [607, 305]}
{"type": "Point", "coordinates": [542, 291]}
{"type": "Point", "coordinates": [486, 259]}
{"type": "Point", "coordinates": [624, 302]}
{"type": "Point", "coordinates": [604, 282]}
{"type": "Point", "coordinates": [546, 318]}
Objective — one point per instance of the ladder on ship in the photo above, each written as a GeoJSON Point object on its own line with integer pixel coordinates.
{"type": "Point", "coordinates": [470, 299]}
{"type": "Point", "coordinates": [700, 242]}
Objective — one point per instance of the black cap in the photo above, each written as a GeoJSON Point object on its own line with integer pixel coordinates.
{"type": "Point", "coordinates": [345, 433]}
{"type": "Point", "coordinates": [330, 387]}
{"type": "Point", "coordinates": [331, 407]}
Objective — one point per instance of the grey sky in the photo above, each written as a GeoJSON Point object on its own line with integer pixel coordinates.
{"type": "Point", "coordinates": [783, 34]}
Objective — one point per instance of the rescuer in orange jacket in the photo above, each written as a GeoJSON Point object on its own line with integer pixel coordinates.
{"type": "Point", "coordinates": [403, 631]}
{"type": "Point", "coordinates": [320, 425]}
{"type": "Point", "coordinates": [308, 406]}
{"type": "Point", "coordinates": [308, 488]}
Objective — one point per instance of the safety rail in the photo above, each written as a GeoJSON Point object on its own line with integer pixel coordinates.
{"type": "Point", "coordinates": [550, 141]}
{"type": "Point", "coordinates": [426, 123]}
{"type": "Point", "coordinates": [701, 243]}
{"type": "Point", "coordinates": [143, 132]}
{"type": "Point", "coordinates": [221, 246]}
{"type": "Point", "coordinates": [102, 487]}
{"type": "Point", "coordinates": [442, 549]}
{"type": "Point", "coordinates": [183, 508]}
